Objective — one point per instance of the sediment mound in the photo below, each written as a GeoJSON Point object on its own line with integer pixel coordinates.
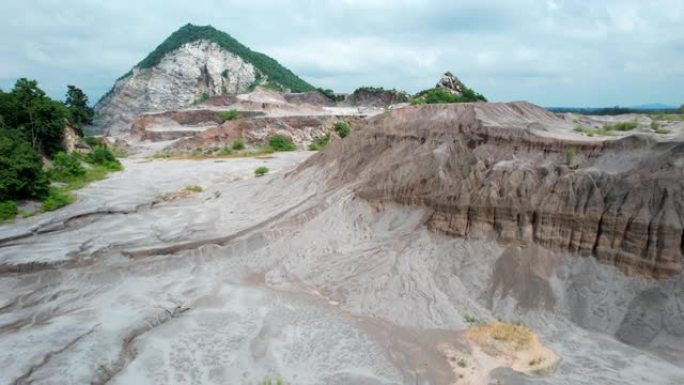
{"type": "Point", "coordinates": [513, 171]}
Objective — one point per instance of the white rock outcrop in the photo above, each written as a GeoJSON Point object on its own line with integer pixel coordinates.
{"type": "Point", "coordinates": [181, 77]}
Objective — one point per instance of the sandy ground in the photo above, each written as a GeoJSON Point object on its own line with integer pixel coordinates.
{"type": "Point", "coordinates": [279, 276]}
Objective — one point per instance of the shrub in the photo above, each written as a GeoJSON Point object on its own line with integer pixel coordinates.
{"type": "Point", "coordinates": [342, 128]}
{"type": "Point", "coordinates": [8, 210]}
{"type": "Point", "coordinates": [238, 144]}
{"type": "Point", "coordinates": [200, 99]}
{"type": "Point", "coordinates": [594, 131]}
{"type": "Point", "coordinates": [260, 171]}
{"type": "Point", "coordinates": [655, 126]}
{"type": "Point", "coordinates": [320, 143]}
{"type": "Point", "coordinates": [65, 167]}
{"type": "Point", "coordinates": [102, 156]}
{"type": "Point", "coordinates": [440, 95]}
{"type": "Point", "coordinates": [281, 143]}
{"type": "Point", "coordinates": [226, 150]}
{"type": "Point", "coordinates": [229, 115]}
{"type": "Point", "coordinates": [56, 199]}
{"type": "Point", "coordinates": [622, 126]}
{"type": "Point", "coordinates": [193, 188]}
{"type": "Point", "coordinates": [21, 168]}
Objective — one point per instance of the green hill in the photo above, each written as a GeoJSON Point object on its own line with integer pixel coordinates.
{"type": "Point", "coordinates": [269, 67]}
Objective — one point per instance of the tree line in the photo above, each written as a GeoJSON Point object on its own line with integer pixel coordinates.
{"type": "Point", "coordinates": [32, 127]}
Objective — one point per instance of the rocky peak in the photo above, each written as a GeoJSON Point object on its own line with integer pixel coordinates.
{"type": "Point", "coordinates": [191, 65]}
{"type": "Point", "coordinates": [450, 83]}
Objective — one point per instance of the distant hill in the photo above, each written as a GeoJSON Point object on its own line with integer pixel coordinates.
{"type": "Point", "coordinates": [191, 65]}
{"type": "Point", "coordinates": [654, 106]}
{"type": "Point", "coordinates": [617, 110]}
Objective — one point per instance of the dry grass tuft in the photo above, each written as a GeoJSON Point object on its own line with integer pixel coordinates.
{"type": "Point", "coordinates": [502, 336]}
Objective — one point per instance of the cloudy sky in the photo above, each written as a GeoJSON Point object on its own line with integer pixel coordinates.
{"type": "Point", "coordinates": [550, 52]}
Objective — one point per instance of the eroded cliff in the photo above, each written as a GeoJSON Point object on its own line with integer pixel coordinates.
{"type": "Point", "coordinates": [514, 172]}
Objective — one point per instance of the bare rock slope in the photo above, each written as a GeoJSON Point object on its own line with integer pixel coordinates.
{"type": "Point", "coordinates": [192, 64]}
{"type": "Point", "coordinates": [514, 172]}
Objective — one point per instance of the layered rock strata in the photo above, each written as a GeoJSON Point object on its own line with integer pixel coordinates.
{"type": "Point", "coordinates": [511, 171]}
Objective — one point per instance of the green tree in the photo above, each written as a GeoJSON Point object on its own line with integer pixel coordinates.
{"type": "Point", "coordinates": [21, 167]}
{"type": "Point", "coordinates": [681, 109]}
{"type": "Point", "coordinates": [79, 111]}
{"type": "Point", "coordinates": [40, 118]}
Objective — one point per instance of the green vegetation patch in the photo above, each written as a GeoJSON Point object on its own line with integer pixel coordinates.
{"type": "Point", "coordinates": [342, 128]}
{"type": "Point", "coordinates": [261, 171]}
{"type": "Point", "coordinates": [229, 115]}
{"type": "Point", "coordinates": [594, 131]}
{"type": "Point", "coordinates": [667, 117]}
{"type": "Point", "coordinates": [440, 95]}
{"type": "Point", "coordinates": [201, 99]}
{"type": "Point", "coordinates": [56, 198]}
{"type": "Point", "coordinates": [193, 188]}
{"type": "Point", "coordinates": [281, 143]}
{"type": "Point", "coordinates": [65, 167]}
{"type": "Point", "coordinates": [103, 157]}
{"type": "Point", "coordinates": [238, 144]}
{"type": "Point", "coordinates": [320, 143]}
{"type": "Point", "coordinates": [621, 126]}
{"type": "Point", "coordinates": [8, 210]}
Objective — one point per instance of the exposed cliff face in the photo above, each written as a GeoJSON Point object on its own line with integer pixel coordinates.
{"type": "Point", "coordinates": [182, 76]}
{"type": "Point", "coordinates": [501, 170]}
{"type": "Point", "coordinates": [450, 83]}
{"type": "Point", "coordinates": [192, 63]}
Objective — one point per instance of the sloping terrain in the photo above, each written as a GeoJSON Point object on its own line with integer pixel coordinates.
{"type": "Point", "coordinates": [351, 266]}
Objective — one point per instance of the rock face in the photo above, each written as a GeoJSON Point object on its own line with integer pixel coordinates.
{"type": "Point", "coordinates": [450, 83]}
{"type": "Point", "coordinates": [193, 64]}
{"type": "Point", "coordinates": [183, 76]}
{"type": "Point", "coordinates": [376, 97]}
{"type": "Point", "coordinates": [499, 170]}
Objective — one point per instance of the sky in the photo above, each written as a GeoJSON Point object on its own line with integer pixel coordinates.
{"type": "Point", "coordinates": [549, 52]}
